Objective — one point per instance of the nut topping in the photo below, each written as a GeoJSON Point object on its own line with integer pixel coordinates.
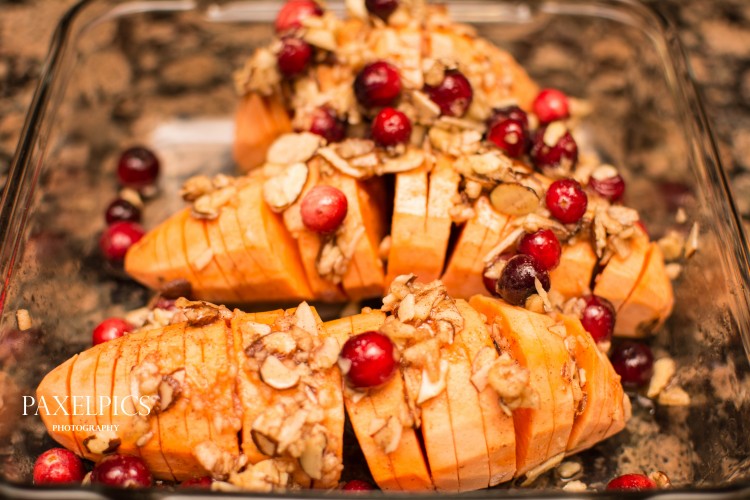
{"type": "Point", "coordinates": [277, 375]}
{"type": "Point", "coordinates": [282, 190]}
{"type": "Point", "coordinates": [202, 313]}
{"type": "Point", "coordinates": [389, 436]}
{"type": "Point", "coordinates": [281, 343]}
{"type": "Point", "coordinates": [102, 443]}
{"type": "Point", "coordinates": [514, 199]}
{"type": "Point", "coordinates": [265, 444]}
{"type": "Point", "coordinates": [305, 319]}
{"type": "Point", "coordinates": [170, 389]}
{"type": "Point", "coordinates": [431, 388]}
{"type": "Point", "coordinates": [311, 460]}
{"type": "Point", "coordinates": [293, 148]}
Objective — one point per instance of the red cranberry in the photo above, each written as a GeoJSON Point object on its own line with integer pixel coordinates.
{"type": "Point", "coordinates": [509, 136]}
{"type": "Point", "coordinates": [381, 8]}
{"type": "Point", "coordinates": [391, 127]}
{"type": "Point", "coordinates": [122, 210]}
{"type": "Point", "coordinates": [598, 318]}
{"type": "Point", "coordinates": [509, 113]}
{"type": "Point", "coordinates": [201, 483]}
{"type": "Point", "coordinates": [377, 84]}
{"type": "Point", "coordinates": [326, 124]}
{"type": "Point", "coordinates": [357, 485]}
{"type": "Point", "coordinates": [58, 466]}
{"type": "Point", "coordinates": [491, 283]}
{"type": "Point", "coordinates": [122, 471]}
{"type": "Point", "coordinates": [118, 238]}
{"type": "Point", "coordinates": [566, 201]}
{"type": "Point", "coordinates": [110, 329]}
{"type": "Point", "coordinates": [544, 246]}
{"type": "Point", "coordinates": [611, 188]}
{"type": "Point", "coordinates": [635, 482]}
{"type": "Point", "coordinates": [633, 362]}
{"type": "Point", "coordinates": [293, 12]}
{"type": "Point", "coordinates": [453, 95]}
{"type": "Point", "coordinates": [371, 359]}
{"type": "Point", "coordinates": [324, 209]}
{"type": "Point", "coordinates": [551, 105]}
{"type": "Point", "coordinates": [138, 168]}
{"type": "Point", "coordinates": [294, 56]}
{"type": "Point", "coordinates": [559, 152]}
{"type": "Point", "coordinates": [517, 281]}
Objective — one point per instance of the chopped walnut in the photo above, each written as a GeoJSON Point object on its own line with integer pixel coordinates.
{"type": "Point", "coordinates": [201, 313]}
{"type": "Point", "coordinates": [102, 443]}
{"type": "Point", "coordinates": [219, 463]}
{"type": "Point", "coordinates": [388, 437]}
{"type": "Point", "coordinates": [511, 381]}
{"type": "Point", "coordinates": [664, 370]}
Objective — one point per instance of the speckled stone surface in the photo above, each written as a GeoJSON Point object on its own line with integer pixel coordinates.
{"type": "Point", "coordinates": [716, 35]}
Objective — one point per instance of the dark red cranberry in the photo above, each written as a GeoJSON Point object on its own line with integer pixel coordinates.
{"type": "Point", "coordinates": [381, 8]}
{"type": "Point", "coordinates": [358, 485]}
{"type": "Point", "coordinates": [509, 113]}
{"type": "Point", "coordinates": [560, 154]}
{"type": "Point", "coordinates": [611, 188]}
{"type": "Point", "coordinates": [544, 246]}
{"type": "Point", "coordinates": [165, 303]}
{"type": "Point", "coordinates": [368, 359]}
{"type": "Point", "coordinates": [633, 362]}
{"type": "Point", "coordinates": [509, 136]}
{"type": "Point", "coordinates": [377, 84]}
{"type": "Point", "coordinates": [551, 105]}
{"type": "Point", "coordinates": [634, 482]}
{"type": "Point", "coordinates": [118, 238]}
{"type": "Point", "coordinates": [293, 12]}
{"type": "Point", "coordinates": [122, 210]}
{"type": "Point", "coordinates": [138, 168]}
{"type": "Point", "coordinates": [566, 201]}
{"type": "Point", "coordinates": [326, 124]}
{"type": "Point", "coordinates": [324, 209]}
{"type": "Point", "coordinates": [517, 281]}
{"type": "Point", "coordinates": [200, 483]}
{"type": "Point", "coordinates": [58, 466]}
{"type": "Point", "coordinates": [453, 95]}
{"type": "Point", "coordinates": [294, 56]}
{"type": "Point", "coordinates": [491, 283]}
{"type": "Point", "coordinates": [391, 127]}
{"type": "Point", "coordinates": [122, 471]}
{"type": "Point", "coordinates": [110, 329]}
{"type": "Point", "coordinates": [598, 318]}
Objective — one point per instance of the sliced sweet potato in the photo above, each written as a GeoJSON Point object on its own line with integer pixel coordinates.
{"type": "Point", "coordinates": [123, 407]}
{"type": "Point", "coordinates": [83, 376]}
{"type": "Point", "coordinates": [498, 428]}
{"type": "Point", "coordinates": [408, 224]}
{"type": "Point", "coordinates": [444, 182]}
{"type": "Point", "coordinates": [513, 332]}
{"type": "Point", "coordinates": [439, 443]}
{"type": "Point", "coordinates": [196, 414]}
{"type": "Point", "coordinates": [143, 263]}
{"type": "Point", "coordinates": [225, 259]}
{"type": "Point", "coordinates": [572, 277]}
{"type": "Point", "coordinates": [620, 275]}
{"type": "Point", "coordinates": [56, 413]}
{"type": "Point", "coordinates": [258, 123]}
{"type": "Point", "coordinates": [463, 276]}
{"type": "Point", "coordinates": [176, 251]}
{"type": "Point", "coordinates": [651, 301]}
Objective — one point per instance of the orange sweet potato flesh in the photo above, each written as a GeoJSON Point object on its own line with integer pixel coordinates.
{"type": "Point", "coordinates": [258, 123]}
{"type": "Point", "coordinates": [620, 275]}
{"type": "Point", "coordinates": [463, 275]}
{"type": "Point", "coordinates": [572, 277]}
{"type": "Point", "coordinates": [57, 384]}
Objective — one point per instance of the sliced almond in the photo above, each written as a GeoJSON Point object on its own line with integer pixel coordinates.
{"type": "Point", "coordinates": [514, 199]}
{"type": "Point", "coordinates": [265, 444]}
{"type": "Point", "coordinates": [326, 355]}
{"type": "Point", "coordinates": [389, 436]}
{"type": "Point", "coordinates": [311, 460]}
{"type": "Point", "coordinates": [429, 388]}
{"type": "Point", "coordinates": [281, 191]}
{"type": "Point", "coordinates": [305, 319]}
{"type": "Point", "coordinates": [279, 343]}
{"type": "Point", "coordinates": [102, 442]}
{"type": "Point", "coordinates": [170, 389]}
{"type": "Point", "coordinates": [277, 375]}
{"type": "Point", "coordinates": [413, 158]}
{"type": "Point", "coordinates": [293, 148]}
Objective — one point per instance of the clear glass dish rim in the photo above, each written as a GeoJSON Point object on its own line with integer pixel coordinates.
{"type": "Point", "coordinates": [16, 197]}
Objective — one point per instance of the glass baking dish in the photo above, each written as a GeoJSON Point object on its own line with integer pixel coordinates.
{"type": "Point", "coordinates": [159, 73]}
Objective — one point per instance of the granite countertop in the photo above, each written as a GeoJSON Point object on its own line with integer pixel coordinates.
{"type": "Point", "coordinates": [716, 35]}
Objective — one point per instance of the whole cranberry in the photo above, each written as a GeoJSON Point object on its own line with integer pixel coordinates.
{"type": "Point", "coordinates": [611, 188]}
{"type": "Point", "coordinates": [553, 149]}
{"type": "Point", "coordinates": [358, 485]}
{"type": "Point", "coordinates": [598, 318]}
{"type": "Point", "coordinates": [566, 201]}
{"type": "Point", "coordinates": [200, 483]}
{"type": "Point", "coordinates": [377, 84]}
{"type": "Point", "coordinates": [122, 471]}
{"type": "Point", "coordinates": [544, 246]}
{"type": "Point", "coordinates": [634, 482]}
{"type": "Point", "coordinates": [509, 113]}
{"type": "Point", "coordinates": [494, 267]}
{"type": "Point", "coordinates": [138, 168]}
{"type": "Point", "coordinates": [517, 281]}
{"type": "Point", "coordinates": [381, 8]}
{"type": "Point", "coordinates": [122, 210]}
{"type": "Point", "coordinates": [508, 135]}
{"type": "Point", "coordinates": [551, 105]}
{"type": "Point", "coordinates": [294, 56]}
{"type": "Point", "coordinates": [293, 12]}
{"type": "Point", "coordinates": [58, 466]}
{"type": "Point", "coordinates": [368, 360]}
{"type": "Point", "coordinates": [390, 128]}
{"type": "Point", "coordinates": [323, 209]}
{"type": "Point", "coordinates": [326, 124]}
{"type": "Point", "coordinates": [453, 95]}
{"type": "Point", "coordinates": [633, 362]}
{"type": "Point", "coordinates": [110, 329]}
{"type": "Point", "coordinates": [118, 238]}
